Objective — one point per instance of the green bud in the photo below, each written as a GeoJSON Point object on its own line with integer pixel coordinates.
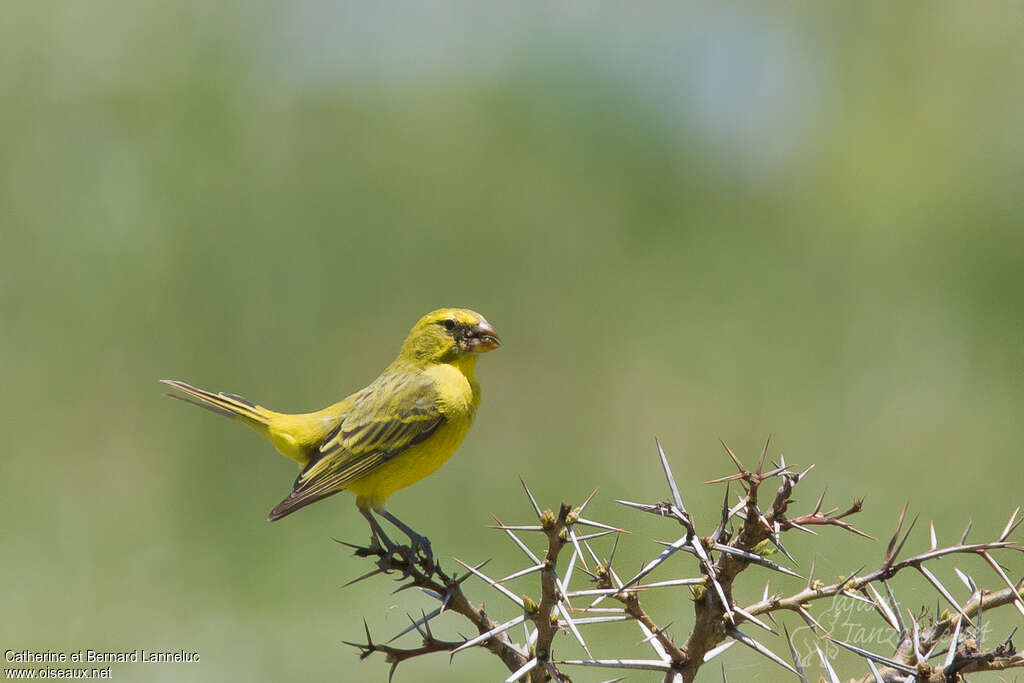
{"type": "Point", "coordinates": [548, 519]}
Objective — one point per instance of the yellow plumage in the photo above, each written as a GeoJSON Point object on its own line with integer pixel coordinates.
{"type": "Point", "coordinates": [389, 435]}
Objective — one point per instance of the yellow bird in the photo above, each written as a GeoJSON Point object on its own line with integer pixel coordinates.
{"type": "Point", "coordinates": [387, 436]}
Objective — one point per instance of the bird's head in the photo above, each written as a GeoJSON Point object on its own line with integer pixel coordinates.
{"type": "Point", "coordinates": [447, 334]}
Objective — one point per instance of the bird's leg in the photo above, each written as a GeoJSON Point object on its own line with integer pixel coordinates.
{"type": "Point", "coordinates": [419, 541]}
{"type": "Point", "coordinates": [378, 533]}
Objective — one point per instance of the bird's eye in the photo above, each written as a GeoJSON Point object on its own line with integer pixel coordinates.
{"type": "Point", "coordinates": [448, 324]}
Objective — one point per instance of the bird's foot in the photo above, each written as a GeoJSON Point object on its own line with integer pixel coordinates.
{"type": "Point", "coordinates": [381, 544]}
{"type": "Point", "coordinates": [420, 545]}
{"type": "Point", "coordinates": [379, 547]}
{"type": "Point", "coordinates": [392, 556]}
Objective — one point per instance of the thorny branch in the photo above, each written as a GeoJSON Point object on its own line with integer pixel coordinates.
{"type": "Point", "coordinates": [443, 587]}
{"type": "Point", "coordinates": [744, 534]}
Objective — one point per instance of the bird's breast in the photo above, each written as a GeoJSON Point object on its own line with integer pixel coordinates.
{"type": "Point", "coordinates": [459, 393]}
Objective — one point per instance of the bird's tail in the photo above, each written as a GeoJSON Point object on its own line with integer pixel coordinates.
{"type": "Point", "coordinates": [228, 405]}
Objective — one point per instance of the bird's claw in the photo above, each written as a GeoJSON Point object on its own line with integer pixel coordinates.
{"type": "Point", "coordinates": [376, 547]}
{"type": "Point", "coordinates": [418, 552]}
{"type": "Point", "coordinates": [420, 545]}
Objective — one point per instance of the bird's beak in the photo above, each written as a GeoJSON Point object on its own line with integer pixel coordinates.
{"type": "Point", "coordinates": [483, 338]}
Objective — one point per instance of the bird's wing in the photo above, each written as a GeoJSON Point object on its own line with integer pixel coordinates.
{"type": "Point", "coordinates": [397, 411]}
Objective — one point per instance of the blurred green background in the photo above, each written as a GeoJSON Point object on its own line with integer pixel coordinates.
{"type": "Point", "coordinates": [693, 222]}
